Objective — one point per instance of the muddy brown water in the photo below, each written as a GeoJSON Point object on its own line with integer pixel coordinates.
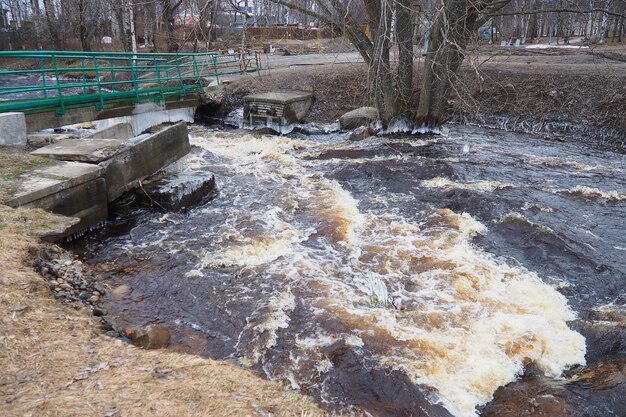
{"type": "Point", "coordinates": [482, 273]}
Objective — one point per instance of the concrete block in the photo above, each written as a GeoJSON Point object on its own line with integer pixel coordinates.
{"type": "Point", "coordinates": [72, 189]}
{"type": "Point", "coordinates": [13, 129]}
{"type": "Point", "coordinates": [84, 150]}
{"type": "Point", "coordinates": [291, 106]}
{"type": "Point", "coordinates": [45, 120]}
{"type": "Point", "coordinates": [51, 179]}
{"type": "Point", "coordinates": [121, 131]}
{"type": "Point", "coordinates": [86, 201]}
{"type": "Point", "coordinates": [123, 171]}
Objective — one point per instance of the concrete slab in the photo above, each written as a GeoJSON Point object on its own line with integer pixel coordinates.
{"type": "Point", "coordinates": [84, 150]}
{"type": "Point", "coordinates": [86, 202]}
{"type": "Point", "coordinates": [120, 131]}
{"type": "Point", "coordinates": [13, 129]}
{"type": "Point", "coordinates": [276, 110]}
{"type": "Point", "coordinates": [126, 169]}
{"type": "Point", "coordinates": [52, 179]}
{"type": "Point", "coordinates": [279, 97]}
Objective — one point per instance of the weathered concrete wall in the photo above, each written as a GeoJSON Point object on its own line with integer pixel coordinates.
{"type": "Point", "coordinates": [13, 129]}
{"type": "Point", "coordinates": [86, 201]}
{"type": "Point", "coordinates": [125, 170]}
{"type": "Point", "coordinates": [142, 121]}
{"type": "Point", "coordinates": [120, 131]}
{"type": "Point", "coordinates": [38, 121]}
{"type": "Point", "coordinates": [71, 189]}
{"type": "Point", "coordinates": [84, 150]}
{"type": "Point", "coordinates": [83, 190]}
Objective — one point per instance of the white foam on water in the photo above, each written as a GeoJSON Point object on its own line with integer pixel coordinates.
{"type": "Point", "coordinates": [264, 324]}
{"type": "Point", "coordinates": [594, 193]}
{"type": "Point", "coordinates": [440, 182]}
{"type": "Point", "coordinates": [470, 322]}
{"type": "Point", "coordinates": [520, 217]}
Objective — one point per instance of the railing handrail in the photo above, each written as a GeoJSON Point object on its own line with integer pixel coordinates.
{"type": "Point", "coordinates": [39, 53]}
{"type": "Point", "coordinates": [117, 76]}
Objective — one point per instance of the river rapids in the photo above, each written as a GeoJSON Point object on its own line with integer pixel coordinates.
{"type": "Point", "coordinates": [392, 276]}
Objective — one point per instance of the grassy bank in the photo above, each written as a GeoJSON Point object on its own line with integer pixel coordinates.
{"type": "Point", "coordinates": [56, 362]}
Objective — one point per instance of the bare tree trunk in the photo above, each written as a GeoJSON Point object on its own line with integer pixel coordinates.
{"type": "Point", "coordinates": [380, 80]}
{"type": "Point", "coordinates": [168, 20]}
{"type": "Point", "coordinates": [404, 30]}
{"type": "Point", "coordinates": [82, 27]}
{"type": "Point", "coordinates": [454, 25]}
{"type": "Point", "coordinates": [52, 24]}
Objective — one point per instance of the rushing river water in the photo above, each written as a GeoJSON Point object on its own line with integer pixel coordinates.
{"type": "Point", "coordinates": [393, 276]}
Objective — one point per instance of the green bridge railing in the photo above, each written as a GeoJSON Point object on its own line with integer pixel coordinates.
{"type": "Point", "coordinates": [59, 80]}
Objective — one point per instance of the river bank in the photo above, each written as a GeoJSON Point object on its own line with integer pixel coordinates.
{"type": "Point", "coordinates": [57, 360]}
{"type": "Point", "coordinates": [561, 94]}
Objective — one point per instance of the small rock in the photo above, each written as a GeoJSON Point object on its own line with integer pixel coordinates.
{"type": "Point", "coordinates": [94, 299]}
{"type": "Point", "coordinates": [361, 133]}
{"type": "Point", "coordinates": [359, 117]}
{"type": "Point", "coordinates": [99, 312]}
{"type": "Point", "coordinates": [66, 286]}
{"type": "Point", "coordinates": [83, 295]}
{"type": "Point", "coordinates": [99, 288]}
{"type": "Point", "coordinates": [282, 52]}
{"type": "Point", "coordinates": [44, 271]}
{"type": "Point", "coordinates": [97, 293]}
{"type": "Point", "coordinates": [154, 336]}
{"type": "Point", "coordinates": [112, 333]}
{"type": "Point", "coordinates": [106, 325]}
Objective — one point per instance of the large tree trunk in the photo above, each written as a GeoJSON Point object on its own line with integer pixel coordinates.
{"type": "Point", "coordinates": [454, 26]}
{"type": "Point", "coordinates": [168, 19]}
{"type": "Point", "coordinates": [381, 88]}
{"type": "Point", "coordinates": [404, 32]}
{"type": "Point", "coordinates": [82, 26]}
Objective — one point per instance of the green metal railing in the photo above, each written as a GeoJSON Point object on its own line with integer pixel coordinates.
{"type": "Point", "coordinates": [60, 80]}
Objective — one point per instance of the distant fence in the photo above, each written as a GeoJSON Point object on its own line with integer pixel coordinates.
{"type": "Point", "coordinates": [294, 32]}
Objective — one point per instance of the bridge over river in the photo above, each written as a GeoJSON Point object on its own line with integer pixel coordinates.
{"type": "Point", "coordinates": [57, 88]}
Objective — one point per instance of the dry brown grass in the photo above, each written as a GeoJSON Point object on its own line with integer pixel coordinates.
{"type": "Point", "coordinates": [15, 160]}
{"type": "Point", "coordinates": [54, 361]}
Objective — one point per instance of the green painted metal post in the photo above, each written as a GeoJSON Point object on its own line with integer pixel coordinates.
{"type": "Point", "coordinates": [112, 74]}
{"type": "Point", "coordinates": [82, 72]}
{"type": "Point", "coordinates": [100, 105]}
{"type": "Point", "coordinates": [217, 77]}
{"type": "Point", "coordinates": [42, 66]}
{"type": "Point", "coordinates": [61, 110]}
{"type": "Point", "coordinates": [157, 68]}
{"type": "Point", "coordinates": [133, 75]}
